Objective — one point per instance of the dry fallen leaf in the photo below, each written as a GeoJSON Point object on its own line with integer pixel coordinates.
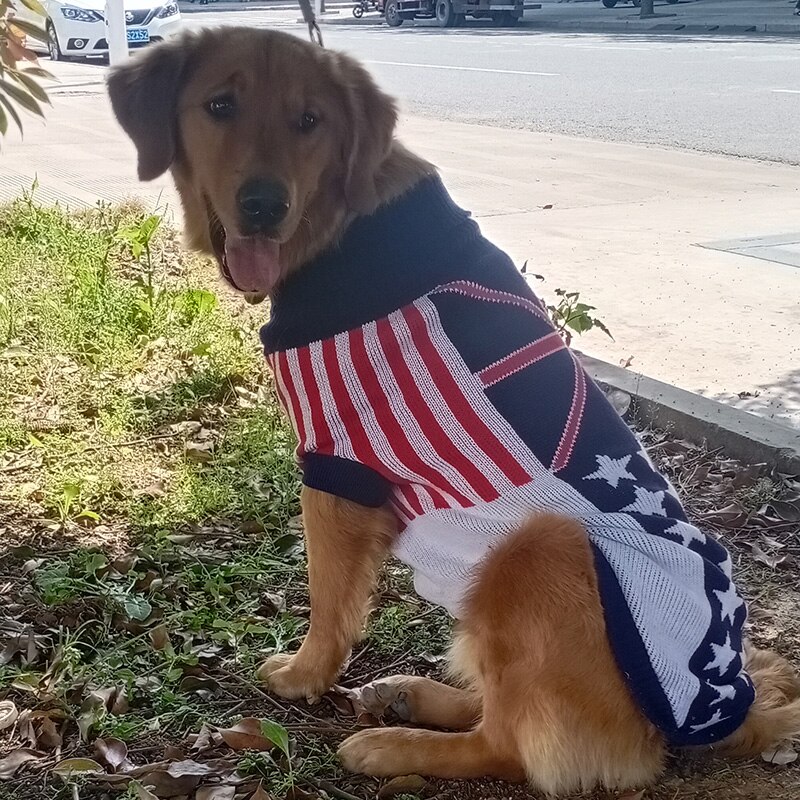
{"type": "Point", "coordinates": [161, 784]}
{"type": "Point", "coordinates": [76, 766]}
{"type": "Point", "coordinates": [296, 793]}
{"type": "Point", "coordinates": [246, 735]}
{"type": "Point", "coordinates": [113, 751]}
{"type": "Point", "coordinates": [201, 455]}
{"type": "Point", "coordinates": [764, 558]}
{"type": "Point", "coordinates": [402, 784]}
{"type": "Point", "coordinates": [188, 767]}
{"type": "Point", "coordinates": [632, 795]}
{"type": "Point", "coordinates": [8, 714]}
{"type": "Point", "coordinates": [49, 737]}
{"type": "Point", "coordinates": [92, 711]}
{"type": "Point", "coordinates": [784, 511]}
{"type": "Point", "coordinates": [342, 700]}
{"type": "Point", "coordinates": [206, 739]}
{"type": "Point", "coordinates": [173, 753]}
{"type": "Point", "coordinates": [261, 793]}
{"type": "Point", "coordinates": [141, 792]}
{"type": "Point", "coordinates": [14, 760]}
{"type": "Point", "coordinates": [159, 637]}
{"type": "Point", "coordinates": [782, 755]}
{"type": "Point", "coordinates": [215, 793]}
{"type": "Point", "coordinates": [731, 516]}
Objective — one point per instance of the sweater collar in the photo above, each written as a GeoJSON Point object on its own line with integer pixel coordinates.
{"type": "Point", "coordinates": [381, 262]}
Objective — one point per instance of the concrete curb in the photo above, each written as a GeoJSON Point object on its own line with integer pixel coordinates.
{"type": "Point", "coordinates": [698, 419]}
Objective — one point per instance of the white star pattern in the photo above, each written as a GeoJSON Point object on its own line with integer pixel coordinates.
{"type": "Point", "coordinates": [723, 655]}
{"type": "Point", "coordinates": [687, 532]}
{"type": "Point", "coordinates": [730, 602]}
{"type": "Point", "coordinates": [726, 692]}
{"type": "Point", "coordinates": [647, 502]}
{"type": "Point", "coordinates": [611, 470]}
{"type": "Point", "coordinates": [713, 721]}
{"type": "Point", "coordinates": [727, 566]}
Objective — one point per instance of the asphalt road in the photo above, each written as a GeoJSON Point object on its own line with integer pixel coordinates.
{"type": "Point", "coordinates": [738, 96]}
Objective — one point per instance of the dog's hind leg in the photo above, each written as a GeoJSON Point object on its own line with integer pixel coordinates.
{"type": "Point", "coordinates": [422, 701]}
{"type": "Point", "coordinates": [345, 544]}
{"type": "Point", "coordinates": [533, 644]}
{"type": "Point", "coordinates": [775, 713]}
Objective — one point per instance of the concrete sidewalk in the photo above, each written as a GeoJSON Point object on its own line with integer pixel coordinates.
{"type": "Point", "coordinates": [619, 223]}
{"type": "Point", "coordinates": [685, 17]}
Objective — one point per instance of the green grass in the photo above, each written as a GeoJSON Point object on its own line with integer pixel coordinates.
{"type": "Point", "coordinates": [104, 340]}
{"type": "Point", "coordinates": [149, 494]}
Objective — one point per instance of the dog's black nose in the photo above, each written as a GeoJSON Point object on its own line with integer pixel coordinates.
{"type": "Point", "coordinates": [263, 204]}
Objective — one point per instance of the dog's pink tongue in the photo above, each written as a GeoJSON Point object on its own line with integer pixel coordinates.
{"type": "Point", "coordinates": [253, 263]}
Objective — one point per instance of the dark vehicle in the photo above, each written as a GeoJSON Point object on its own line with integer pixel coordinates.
{"type": "Point", "coordinates": [634, 3]}
{"type": "Point", "coordinates": [451, 13]}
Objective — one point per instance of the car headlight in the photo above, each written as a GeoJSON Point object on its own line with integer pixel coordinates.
{"type": "Point", "coordinates": [80, 14]}
{"type": "Point", "coordinates": [168, 10]}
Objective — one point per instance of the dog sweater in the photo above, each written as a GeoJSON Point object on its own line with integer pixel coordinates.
{"type": "Point", "coordinates": [418, 369]}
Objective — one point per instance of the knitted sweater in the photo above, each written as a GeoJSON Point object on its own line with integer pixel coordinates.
{"type": "Point", "coordinates": [419, 369]}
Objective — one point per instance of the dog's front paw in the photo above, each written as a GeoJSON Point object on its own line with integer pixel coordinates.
{"type": "Point", "coordinates": [372, 752]}
{"type": "Point", "coordinates": [284, 675]}
{"type": "Point", "coordinates": [394, 693]}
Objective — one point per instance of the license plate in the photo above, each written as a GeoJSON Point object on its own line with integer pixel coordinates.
{"type": "Point", "coordinates": [138, 35]}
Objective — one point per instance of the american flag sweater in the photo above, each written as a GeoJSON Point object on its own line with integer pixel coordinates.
{"type": "Point", "coordinates": [418, 369]}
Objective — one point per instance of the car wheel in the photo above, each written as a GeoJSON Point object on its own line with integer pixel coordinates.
{"type": "Point", "coordinates": [358, 12]}
{"type": "Point", "coordinates": [53, 47]}
{"type": "Point", "coordinates": [445, 15]}
{"type": "Point", "coordinates": [609, 3]}
{"type": "Point", "coordinates": [392, 14]}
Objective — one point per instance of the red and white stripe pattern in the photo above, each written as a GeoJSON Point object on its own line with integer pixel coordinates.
{"type": "Point", "coordinates": [396, 396]}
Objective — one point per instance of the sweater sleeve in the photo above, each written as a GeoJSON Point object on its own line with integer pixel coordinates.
{"type": "Point", "coordinates": [344, 478]}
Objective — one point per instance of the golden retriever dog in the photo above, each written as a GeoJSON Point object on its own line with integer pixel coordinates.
{"type": "Point", "coordinates": [439, 416]}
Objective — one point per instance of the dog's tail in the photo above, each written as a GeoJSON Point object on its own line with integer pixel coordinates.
{"type": "Point", "coordinates": [775, 713]}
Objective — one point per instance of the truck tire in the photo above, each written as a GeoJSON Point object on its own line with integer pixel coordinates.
{"type": "Point", "coordinates": [505, 19]}
{"type": "Point", "coordinates": [445, 15]}
{"type": "Point", "coordinates": [391, 12]}
{"type": "Point", "coordinates": [609, 3]}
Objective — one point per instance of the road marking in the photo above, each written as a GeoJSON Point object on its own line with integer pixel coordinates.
{"type": "Point", "coordinates": [464, 69]}
{"type": "Point", "coordinates": [786, 91]}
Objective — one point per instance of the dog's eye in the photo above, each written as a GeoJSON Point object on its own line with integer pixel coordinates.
{"type": "Point", "coordinates": [221, 107]}
{"type": "Point", "coordinates": [308, 121]}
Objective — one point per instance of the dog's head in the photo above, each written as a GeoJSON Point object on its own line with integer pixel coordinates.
{"type": "Point", "coordinates": [273, 143]}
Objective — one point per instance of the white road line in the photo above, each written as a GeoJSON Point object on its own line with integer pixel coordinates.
{"type": "Point", "coordinates": [786, 91]}
{"type": "Point", "coordinates": [464, 69]}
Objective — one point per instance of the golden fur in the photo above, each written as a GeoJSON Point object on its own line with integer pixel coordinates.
{"type": "Point", "coordinates": [528, 707]}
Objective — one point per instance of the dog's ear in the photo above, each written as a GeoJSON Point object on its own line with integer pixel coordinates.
{"type": "Point", "coordinates": [144, 96]}
{"type": "Point", "coordinates": [372, 120]}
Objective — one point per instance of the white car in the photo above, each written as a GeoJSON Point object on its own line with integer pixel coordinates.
{"type": "Point", "coordinates": [77, 28]}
